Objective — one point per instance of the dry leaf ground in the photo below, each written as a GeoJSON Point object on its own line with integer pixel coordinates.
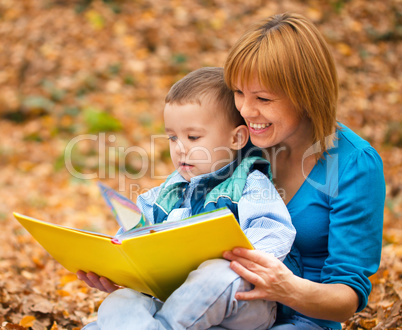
{"type": "Point", "coordinates": [69, 68]}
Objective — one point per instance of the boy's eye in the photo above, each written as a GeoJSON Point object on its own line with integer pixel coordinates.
{"type": "Point", "coordinates": [193, 138]}
{"type": "Point", "coordinates": [172, 138]}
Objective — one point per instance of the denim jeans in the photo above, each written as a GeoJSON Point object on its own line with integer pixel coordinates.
{"type": "Point", "coordinates": [296, 323]}
{"type": "Point", "coordinates": [205, 300]}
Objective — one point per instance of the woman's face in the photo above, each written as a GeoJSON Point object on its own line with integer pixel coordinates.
{"type": "Point", "coordinates": [271, 117]}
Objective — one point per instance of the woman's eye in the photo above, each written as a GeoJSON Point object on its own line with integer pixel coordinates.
{"type": "Point", "coordinates": [239, 92]}
{"type": "Point", "coordinates": [263, 99]}
{"type": "Point", "coordinates": [193, 138]}
{"type": "Point", "coordinates": [172, 138]}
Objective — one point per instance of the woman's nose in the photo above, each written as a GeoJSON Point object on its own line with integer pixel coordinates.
{"type": "Point", "coordinates": [248, 109]}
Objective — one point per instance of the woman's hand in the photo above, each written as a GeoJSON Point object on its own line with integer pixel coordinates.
{"type": "Point", "coordinates": [97, 282]}
{"type": "Point", "coordinates": [271, 278]}
{"type": "Point", "coordinates": [274, 281]}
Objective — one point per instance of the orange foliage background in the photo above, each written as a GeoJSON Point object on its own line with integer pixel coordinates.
{"type": "Point", "coordinates": [69, 68]}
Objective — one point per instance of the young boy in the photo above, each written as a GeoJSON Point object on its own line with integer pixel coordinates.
{"type": "Point", "coordinates": [207, 146]}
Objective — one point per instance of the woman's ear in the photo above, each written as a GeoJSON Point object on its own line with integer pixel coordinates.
{"type": "Point", "coordinates": [240, 137]}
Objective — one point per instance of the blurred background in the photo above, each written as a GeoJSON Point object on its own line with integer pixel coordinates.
{"type": "Point", "coordinates": [83, 81]}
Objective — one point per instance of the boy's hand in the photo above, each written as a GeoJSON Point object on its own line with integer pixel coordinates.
{"type": "Point", "coordinates": [97, 282]}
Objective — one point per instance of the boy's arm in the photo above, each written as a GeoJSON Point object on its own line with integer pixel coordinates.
{"type": "Point", "coordinates": [264, 218]}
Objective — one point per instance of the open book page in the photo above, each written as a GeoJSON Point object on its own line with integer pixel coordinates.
{"type": "Point", "coordinates": [135, 232]}
{"type": "Point", "coordinates": [127, 213]}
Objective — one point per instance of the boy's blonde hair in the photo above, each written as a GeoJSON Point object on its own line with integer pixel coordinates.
{"type": "Point", "coordinates": [289, 55]}
{"type": "Point", "coordinates": [201, 84]}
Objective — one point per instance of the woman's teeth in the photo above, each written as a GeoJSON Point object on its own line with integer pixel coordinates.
{"type": "Point", "coordinates": [259, 126]}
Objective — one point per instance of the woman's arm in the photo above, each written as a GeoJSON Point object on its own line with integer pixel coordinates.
{"type": "Point", "coordinates": [274, 281]}
{"type": "Point", "coordinates": [356, 205]}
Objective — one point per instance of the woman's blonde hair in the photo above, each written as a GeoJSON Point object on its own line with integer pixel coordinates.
{"type": "Point", "coordinates": [290, 55]}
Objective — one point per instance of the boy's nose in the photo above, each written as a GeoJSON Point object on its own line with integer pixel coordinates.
{"type": "Point", "coordinates": [180, 148]}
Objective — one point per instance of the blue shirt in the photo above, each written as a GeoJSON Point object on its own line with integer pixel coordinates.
{"type": "Point", "coordinates": [338, 216]}
{"type": "Point", "coordinates": [262, 213]}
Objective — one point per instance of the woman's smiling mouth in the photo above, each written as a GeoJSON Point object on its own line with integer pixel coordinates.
{"type": "Point", "coordinates": [259, 128]}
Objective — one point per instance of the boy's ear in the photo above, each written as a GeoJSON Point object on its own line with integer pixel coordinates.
{"type": "Point", "coordinates": [240, 137]}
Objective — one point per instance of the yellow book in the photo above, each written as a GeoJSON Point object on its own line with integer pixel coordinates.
{"type": "Point", "coordinates": [155, 259]}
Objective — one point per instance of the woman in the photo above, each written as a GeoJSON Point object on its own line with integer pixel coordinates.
{"type": "Point", "coordinates": [285, 85]}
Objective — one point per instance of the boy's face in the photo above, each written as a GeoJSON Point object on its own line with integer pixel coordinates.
{"type": "Point", "coordinates": [200, 138]}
